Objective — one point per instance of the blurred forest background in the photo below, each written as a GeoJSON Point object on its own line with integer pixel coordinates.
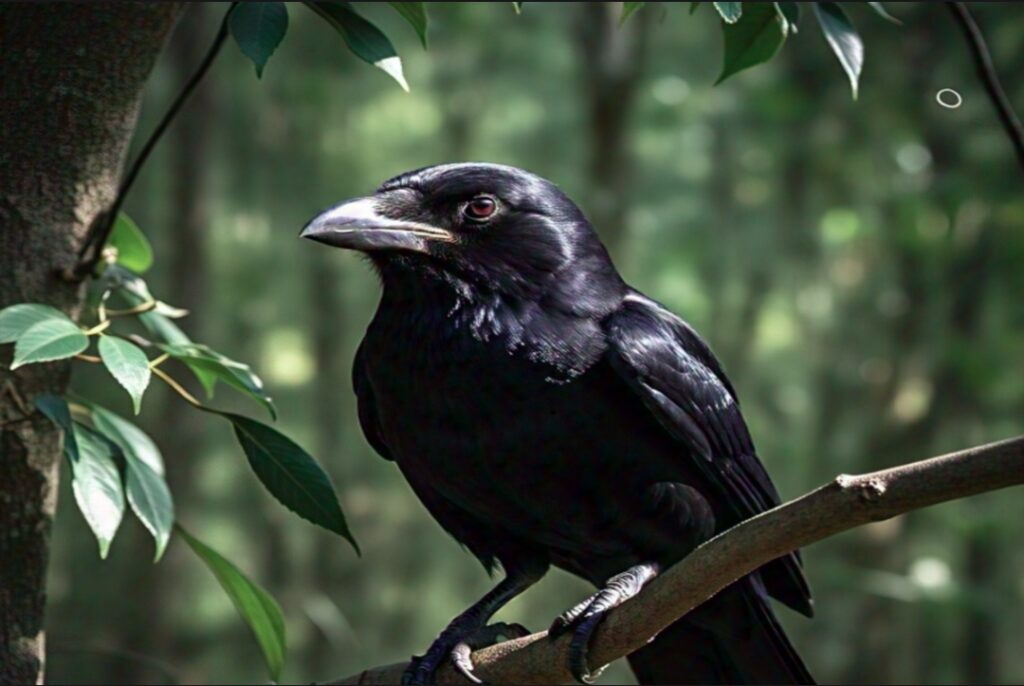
{"type": "Point", "coordinates": [856, 264]}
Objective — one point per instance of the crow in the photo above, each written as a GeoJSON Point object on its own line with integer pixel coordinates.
{"type": "Point", "coordinates": [546, 413]}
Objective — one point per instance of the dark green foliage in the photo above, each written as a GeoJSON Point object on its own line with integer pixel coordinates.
{"type": "Point", "coordinates": [259, 610]}
{"type": "Point", "coordinates": [842, 38]}
{"type": "Point", "coordinates": [56, 410]}
{"type": "Point", "coordinates": [416, 14]}
{"type": "Point", "coordinates": [752, 39]}
{"type": "Point", "coordinates": [365, 40]}
{"type": "Point", "coordinates": [258, 28]}
{"type": "Point", "coordinates": [291, 475]}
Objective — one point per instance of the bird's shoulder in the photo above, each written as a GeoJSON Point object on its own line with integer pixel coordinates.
{"type": "Point", "coordinates": [645, 333]}
{"type": "Point", "coordinates": [675, 374]}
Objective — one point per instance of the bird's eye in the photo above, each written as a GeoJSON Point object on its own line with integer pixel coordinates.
{"type": "Point", "coordinates": [480, 209]}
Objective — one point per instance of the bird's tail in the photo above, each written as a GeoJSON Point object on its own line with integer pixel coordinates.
{"type": "Point", "coordinates": [734, 638]}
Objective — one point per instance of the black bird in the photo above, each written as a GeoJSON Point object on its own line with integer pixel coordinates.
{"type": "Point", "coordinates": [547, 413]}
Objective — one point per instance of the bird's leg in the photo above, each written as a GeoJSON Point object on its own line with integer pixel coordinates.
{"type": "Point", "coordinates": [583, 619]}
{"type": "Point", "coordinates": [469, 630]}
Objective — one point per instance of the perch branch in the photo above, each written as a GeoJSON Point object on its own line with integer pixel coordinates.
{"type": "Point", "coordinates": [844, 503]}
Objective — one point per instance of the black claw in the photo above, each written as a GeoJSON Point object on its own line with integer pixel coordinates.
{"type": "Point", "coordinates": [456, 645]}
{"type": "Point", "coordinates": [412, 671]}
{"type": "Point", "coordinates": [579, 647]}
{"type": "Point", "coordinates": [584, 617]}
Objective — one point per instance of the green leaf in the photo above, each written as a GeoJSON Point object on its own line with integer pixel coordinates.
{"type": "Point", "coordinates": [843, 40]}
{"type": "Point", "coordinates": [258, 28]}
{"type": "Point", "coordinates": [259, 610]}
{"type": "Point", "coordinates": [729, 11]}
{"type": "Point", "coordinates": [56, 410]}
{"type": "Point", "coordinates": [148, 495]}
{"type": "Point", "coordinates": [416, 14]}
{"type": "Point", "coordinates": [790, 12]}
{"type": "Point", "coordinates": [134, 290]}
{"type": "Point", "coordinates": [159, 325]}
{"type": "Point", "coordinates": [365, 40]}
{"type": "Point", "coordinates": [132, 440]}
{"type": "Point", "coordinates": [48, 340]}
{"type": "Point", "coordinates": [754, 39]}
{"type": "Point", "coordinates": [133, 249]}
{"type": "Point", "coordinates": [96, 484]}
{"type": "Point", "coordinates": [627, 9]}
{"type": "Point", "coordinates": [17, 319]}
{"type": "Point", "coordinates": [150, 500]}
{"type": "Point", "coordinates": [291, 475]}
{"type": "Point", "coordinates": [128, 364]}
{"type": "Point", "coordinates": [210, 366]}
{"type": "Point", "coordinates": [880, 10]}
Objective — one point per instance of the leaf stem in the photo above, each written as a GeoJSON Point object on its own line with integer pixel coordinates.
{"type": "Point", "coordinates": [88, 358]}
{"type": "Point", "coordinates": [138, 309]}
{"type": "Point", "coordinates": [157, 361]}
{"type": "Point", "coordinates": [99, 328]}
{"type": "Point", "coordinates": [177, 387]}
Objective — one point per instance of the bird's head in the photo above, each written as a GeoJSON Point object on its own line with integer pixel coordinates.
{"type": "Point", "coordinates": [489, 225]}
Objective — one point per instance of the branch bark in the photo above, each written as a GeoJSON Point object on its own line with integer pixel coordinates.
{"type": "Point", "coordinates": [845, 503]}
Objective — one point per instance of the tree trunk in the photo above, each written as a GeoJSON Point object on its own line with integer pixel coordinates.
{"type": "Point", "coordinates": [612, 61]}
{"type": "Point", "coordinates": [72, 81]}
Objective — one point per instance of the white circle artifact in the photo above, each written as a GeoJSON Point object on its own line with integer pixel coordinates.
{"type": "Point", "coordinates": [949, 98]}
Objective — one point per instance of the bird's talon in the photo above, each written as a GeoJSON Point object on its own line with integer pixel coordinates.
{"type": "Point", "coordinates": [462, 662]}
{"type": "Point", "coordinates": [578, 649]}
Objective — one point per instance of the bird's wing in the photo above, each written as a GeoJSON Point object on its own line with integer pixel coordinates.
{"type": "Point", "coordinates": [679, 380]}
{"type": "Point", "coordinates": [367, 406]}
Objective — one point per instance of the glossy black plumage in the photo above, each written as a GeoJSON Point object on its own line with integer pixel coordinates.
{"type": "Point", "coordinates": [547, 413]}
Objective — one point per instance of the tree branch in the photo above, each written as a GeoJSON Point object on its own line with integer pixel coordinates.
{"type": "Point", "coordinates": [844, 503]}
{"type": "Point", "coordinates": [989, 78]}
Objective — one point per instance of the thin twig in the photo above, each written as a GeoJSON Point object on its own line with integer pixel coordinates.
{"type": "Point", "coordinates": [989, 79]}
{"type": "Point", "coordinates": [99, 328]}
{"type": "Point", "coordinates": [99, 232]}
{"type": "Point", "coordinates": [178, 388]}
{"type": "Point", "coordinates": [88, 358]}
{"type": "Point", "coordinates": [145, 306]}
{"type": "Point", "coordinates": [844, 503]}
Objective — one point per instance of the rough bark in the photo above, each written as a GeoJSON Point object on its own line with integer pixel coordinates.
{"type": "Point", "coordinates": [845, 503]}
{"type": "Point", "coordinates": [72, 80]}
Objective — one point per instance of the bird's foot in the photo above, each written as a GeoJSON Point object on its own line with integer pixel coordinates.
{"type": "Point", "coordinates": [583, 618]}
{"type": "Point", "coordinates": [457, 642]}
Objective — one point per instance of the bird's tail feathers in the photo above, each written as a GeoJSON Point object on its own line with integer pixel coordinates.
{"type": "Point", "coordinates": [734, 638]}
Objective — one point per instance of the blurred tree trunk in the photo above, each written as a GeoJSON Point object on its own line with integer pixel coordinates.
{"type": "Point", "coordinates": [612, 62]}
{"type": "Point", "coordinates": [73, 77]}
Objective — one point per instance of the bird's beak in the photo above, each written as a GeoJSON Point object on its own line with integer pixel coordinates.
{"type": "Point", "coordinates": [359, 225]}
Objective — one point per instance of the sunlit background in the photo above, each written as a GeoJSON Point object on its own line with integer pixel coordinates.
{"type": "Point", "coordinates": [856, 264]}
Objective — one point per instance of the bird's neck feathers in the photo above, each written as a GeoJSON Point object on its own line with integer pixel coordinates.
{"type": "Point", "coordinates": [556, 321]}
